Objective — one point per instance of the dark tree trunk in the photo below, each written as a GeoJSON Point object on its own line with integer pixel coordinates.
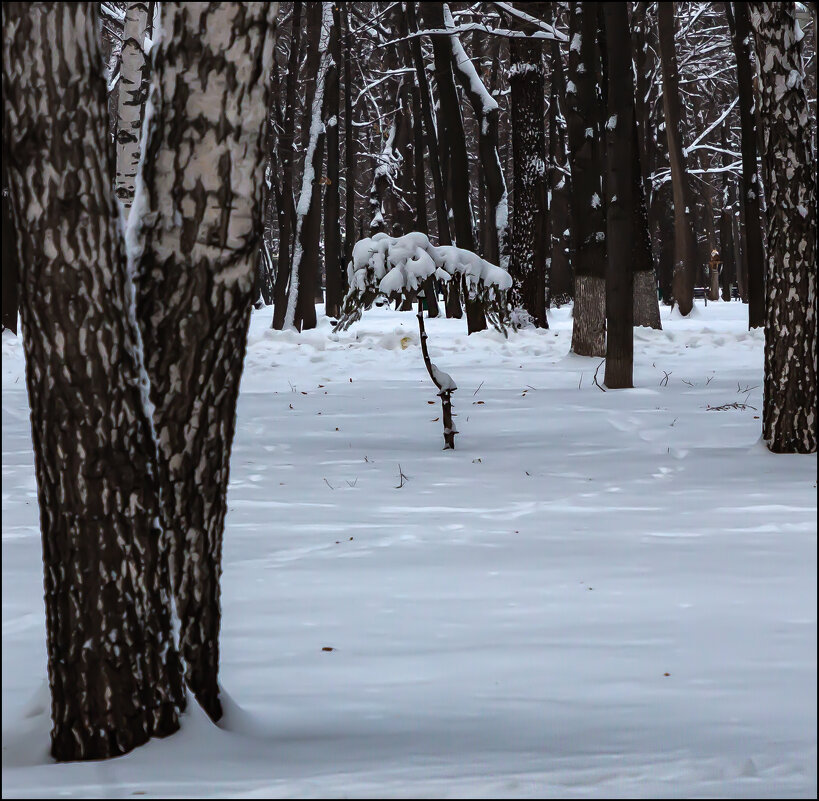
{"type": "Point", "coordinates": [333, 256]}
{"type": "Point", "coordinates": [789, 417]}
{"type": "Point", "coordinates": [561, 281]}
{"type": "Point", "coordinates": [751, 188]}
{"type": "Point", "coordinates": [530, 224]}
{"type": "Point", "coordinates": [199, 245]}
{"type": "Point", "coordinates": [685, 242]}
{"type": "Point", "coordinates": [622, 207]}
{"type": "Point", "coordinates": [10, 288]}
{"type": "Point", "coordinates": [588, 222]}
{"type": "Point", "coordinates": [646, 305]}
{"type": "Point", "coordinates": [113, 668]}
{"type": "Point", "coordinates": [287, 208]}
{"type": "Point", "coordinates": [453, 127]}
{"type": "Point", "coordinates": [726, 232]}
{"type": "Point", "coordinates": [349, 145]}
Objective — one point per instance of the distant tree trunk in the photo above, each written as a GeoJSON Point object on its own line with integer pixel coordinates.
{"type": "Point", "coordinates": [287, 208]}
{"type": "Point", "coordinates": [789, 422]}
{"type": "Point", "coordinates": [751, 187]}
{"type": "Point", "coordinates": [453, 126]}
{"type": "Point", "coordinates": [646, 306]}
{"type": "Point", "coordinates": [113, 668]}
{"type": "Point", "coordinates": [530, 224]}
{"type": "Point", "coordinates": [561, 281]}
{"type": "Point", "coordinates": [622, 208]}
{"type": "Point", "coordinates": [726, 233]}
{"type": "Point", "coordinates": [685, 242]}
{"type": "Point", "coordinates": [333, 256]}
{"type": "Point", "coordinates": [198, 251]}
{"type": "Point", "coordinates": [349, 145]}
{"type": "Point", "coordinates": [305, 266]}
{"type": "Point", "coordinates": [485, 108]}
{"type": "Point", "coordinates": [588, 222]}
{"type": "Point", "coordinates": [133, 91]}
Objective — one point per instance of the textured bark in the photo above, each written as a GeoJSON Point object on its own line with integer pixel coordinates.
{"type": "Point", "coordinates": [588, 222]}
{"type": "Point", "coordinates": [196, 259]}
{"type": "Point", "coordinates": [726, 231]}
{"type": "Point", "coordinates": [453, 126]}
{"type": "Point", "coordinates": [113, 669]}
{"type": "Point", "coordinates": [304, 269]}
{"type": "Point", "coordinates": [333, 256]}
{"type": "Point", "coordinates": [349, 146]}
{"type": "Point", "coordinates": [789, 421]}
{"type": "Point", "coordinates": [754, 252]}
{"type": "Point", "coordinates": [622, 206]}
{"type": "Point", "coordinates": [287, 208]}
{"type": "Point", "coordinates": [685, 242]}
{"type": "Point", "coordinates": [11, 280]}
{"type": "Point", "coordinates": [646, 306]}
{"type": "Point", "coordinates": [530, 224]}
{"type": "Point", "coordinates": [561, 281]}
{"type": "Point", "coordinates": [133, 92]}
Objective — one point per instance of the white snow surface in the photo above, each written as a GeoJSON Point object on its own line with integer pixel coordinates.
{"type": "Point", "coordinates": [597, 594]}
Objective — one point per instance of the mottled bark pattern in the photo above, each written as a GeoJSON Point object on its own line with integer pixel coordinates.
{"type": "Point", "coordinates": [530, 225]}
{"type": "Point", "coordinates": [588, 221]}
{"type": "Point", "coordinates": [200, 242]}
{"type": "Point", "coordinates": [133, 89]}
{"type": "Point", "coordinates": [685, 243]}
{"type": "Point", "coordinates": [333, 259]}
{"type": "Point", "coordinates": [646, 306]}
{"type": "Point", "coordinates": [113, 669]}
{"type": "Point", "coordinates": [789, 420]}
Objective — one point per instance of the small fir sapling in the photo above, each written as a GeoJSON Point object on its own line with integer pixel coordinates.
{"type": "Point", "coordinates": [396, 268]}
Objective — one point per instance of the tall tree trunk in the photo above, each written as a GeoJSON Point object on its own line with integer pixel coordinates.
{"type": "Point", "coordinates": [561, 281]}
{"type": "Point", "coordinates": [113, 668]}
{"type": "Point", "coordinates": [530, 224]}
{"type": "Point", "coordinates": [349, 143]}
{"type": "Point", "coordinates": [789, 417]}
{"type": "Point", "coordinates": [621, 208]}
{"type": "Point", "coordinates": [751, 187]}
{"type": "Point", "coordinates": [287, 207]}
{"type": "Point", "coordinates": [485, 108]}
{"type": "Point", "coordinates": [646, 306]}
{"type": "Point", "coordinates": [133, 91]}
{"type": "Point", "coordinates": [588, 222]}
{"type": "Point", "coordinates": [726, 233]}
{"type": "Point", "coordinates": [333, 256]}
{"type": "Point", "coordinates": [685, 242]}
{"type": "Point", "coordinates": [304, 270]}
{"type": "Point", "coordinates": [196, 259]}
{"type": "Point", "coordinates": [453, 125]}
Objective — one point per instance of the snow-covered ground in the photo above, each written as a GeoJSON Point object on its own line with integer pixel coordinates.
{"type": "Point", "coordinates": [597, 594]}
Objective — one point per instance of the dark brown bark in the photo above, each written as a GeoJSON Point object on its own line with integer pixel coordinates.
{"type": "Point", "coordinates": [685, 243]}
{"type": "Point", "coordinates": [530, 224]}
{"type": "Point", "coordinates": [726, 232]}
{"type": "Point", "coordinates": [287, 208]}
{"type": "Point", "coordinates": [588, 222]}
{"type": "Point", "coordinates": [113, 668]}
{"type": "Point", "coordinates": [349, 144]}
{"type": "Point", "coordinates": [789, 416]}
{"type": "Point", "coordinates": [621, 208]}
{"type": "Point", "coordinates": [754, 252]}
{"type": "Point", "coordinates": [199, 245]}
{"type": "Point", "coordinates": [333, 256]}
{"type": "Point", "coordinates": [10, 288]}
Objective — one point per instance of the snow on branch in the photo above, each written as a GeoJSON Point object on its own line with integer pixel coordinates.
{"type": "Point", "coordinates": [397, 267]}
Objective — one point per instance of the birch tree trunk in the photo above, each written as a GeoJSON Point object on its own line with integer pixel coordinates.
{"type": "Point", "coordinates": [195, 260]}
{"type": "Point", "coordinates": [621, 208]}
{"type": "Point", "coordinates": [133, 90]}
{"type": "Point", "coordinates": [113, 669]}
{"type": "Point", "coordinates": [588, 222]}
{"type": "Point", "coordinates": [789, 417]}
{"type": "Point", "coordinates": [685, 243]}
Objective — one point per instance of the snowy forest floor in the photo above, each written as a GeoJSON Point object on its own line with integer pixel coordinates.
{"type": "Point", "coordinates": [597, 594]}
